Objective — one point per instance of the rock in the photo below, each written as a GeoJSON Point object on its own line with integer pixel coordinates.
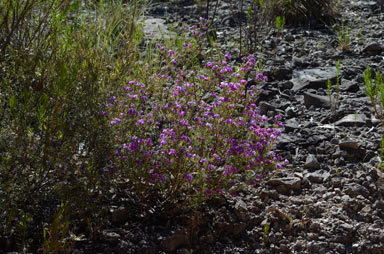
{"type": "Point", "coordinates": [173, 242]}
{"type": "Point", "coordinates": [373, 48]}
{"type": "Point", "coordinates": [183, 251]}
{"type": "Point", "coordinates": [285, 140]}
{"type": "Point", "coordinates": [355, 189]}
{"type": "Point", "coordinates": [349, 154]}
{"type": "Point", "coordinates": [271, 194]}
{"type": "Point", "coordinates": [289, 37]}
{"type": "Point", "coordinates": [147, 250]}
{"type": "Point", "coordinates": [318, 177]}
{"type": "Point", "coordinates": [318, 101]}
{"type": "Point", "coordinates": [314, 227]}
{"type": "Point", "coordinates": [349, 86]}
{"type": "Point", "coordinates": [110, 237]}
{"type": "Point", "coordinates": [311, 162]}
{"type": "Point", "coordinates": [286, 183]}
{"type": "Point", "coordinates": [348, 145]}
{"type": "Point", "coordinates": [265, 108]}
{"type": "Point", "coordinates": [313, 78]}
{"type": "Point", "coordinates": [120, 216]}
{"type": "Point", "coordinates": [241, 211]}
{"type": "Point", "coordinates": [291, 125]}
{"type": "Point", "coordinates": [155, 28]}
{"type": "Point", "coordinates": [352, 120]}
{"type": "Point", "coordinates": [238, 228]}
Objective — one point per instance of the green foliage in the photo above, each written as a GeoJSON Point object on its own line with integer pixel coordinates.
{"type": "Point", "coordinates": [343, 34]}
{"type": "Point", "coordinates": [265, 231]}
{"type": "Point", "coordinates": [56, 236]}
{"type": "Point", "coordinates": [335, 100]}
{"type": "Point", "coordinates": [374, 89]}
{"type": "Point", "coordinates": [60, 60]}
{"type": "Point", "coordinates": [280, 22]}
{"type": "Point", "coordinates": [381, 164]}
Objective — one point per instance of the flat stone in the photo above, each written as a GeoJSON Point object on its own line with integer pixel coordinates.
{"type": "Point", "coordinates": [291, 125]}
{"type": "Point", "coordinates": [352, 120]}
{"type": "Point", "coordinates": [317, 177]}
{"type": "Point", "coordinates": [313, 78]}
{"type": "Point", "coordinates": [373, 48]}
{"type": "Point", "coordinates": [318, 101]}
{"type": "Point", "coordinates": [348, 145]}
{"type": "Point", "coordinates": [291, 183]}
{"type": "Point", "coordinates": [155, 28]}
{"type": "Point", "coordinates": [349, 86]}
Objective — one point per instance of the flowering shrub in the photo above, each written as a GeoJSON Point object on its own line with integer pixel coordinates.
{"type": "Point", "coordinates": [188, 135]}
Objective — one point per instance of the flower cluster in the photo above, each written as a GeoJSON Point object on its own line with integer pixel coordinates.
{"type": "Point", "coordinates": [197, 133]}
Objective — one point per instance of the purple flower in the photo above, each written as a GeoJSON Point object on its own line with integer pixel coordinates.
{"type": "Point", "coordinates": [189, 177]}
{"type": "Point", "coordinates": [140, 122]}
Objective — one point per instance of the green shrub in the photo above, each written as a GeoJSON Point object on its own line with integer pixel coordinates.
{"type": "Point", "coordinates": [59, 61]}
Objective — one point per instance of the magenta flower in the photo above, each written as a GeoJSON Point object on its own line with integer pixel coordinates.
{"type": "Point", "coordinates": [189, 177]}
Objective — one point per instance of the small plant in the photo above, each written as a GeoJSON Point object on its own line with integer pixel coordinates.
{"type": "Point", "coordinates": [280, 22]}
{"type": "Point", "coordinates": [343, 35]}
{"type": "Point", "coordinates": [265, 231]}
{"type": "Point", "coordinates": [375, 92]}
{"type": "Point", "coordinates": [56, 236]}
{"type": "Point", "coordinates": [335, 100]}
{"type": "Point", "coordinates": [381, 157]}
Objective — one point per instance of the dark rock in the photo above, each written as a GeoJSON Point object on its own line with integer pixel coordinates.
{"type": "Point", "coordinates": [355, 189]}
{"type": "Point", "coordinates": [285, 184]}
{"type": "Point", "coordinates": [318, 101]}
{"type": "Point", "coordinates": [110, 237]}
{"type": "Point", "coordinates": [313, 78]}
{"type": "Point", "coordinates": [120, 215]}
{"type": "Point", "coordinates": [318, 177]}
{"type": "Point", "coordinates": [209, 238]}
{"type": "Point", "coordinates": [173, 242]}
{"type": "Point", "coordinates": [314, 227]}
{"type": "Point", "coordinates": [238, 228]}
{"type": "Point", "coordinates": [147, 250]}
{"type": "Point", "coordinates": [349, 86]}
{"type": "Point", "coordinates": [272, 194]}
{"type": "Point", "coordinates": [311, 162]}
{"type": "Point", "coordinates": [265, 108]}
{"type": "Point", "coordinates": [348, 145]}
{"type": "Point", "coordinates": [373, 49]}
{"type": "Point", "coordinates": [352, 120]}
{"type": "Point", "coordinates": [241, 211]}
{"type": "Point", "coordinates": [183, 251]}
{"type": "Point", "coordinates": [291, 125]}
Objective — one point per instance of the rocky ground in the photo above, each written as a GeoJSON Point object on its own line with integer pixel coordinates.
{"type": "Point", "coordinates": [331, 197]}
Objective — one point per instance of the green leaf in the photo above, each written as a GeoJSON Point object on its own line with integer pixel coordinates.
{"type": "Point", "coordinates": [12, 102]}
